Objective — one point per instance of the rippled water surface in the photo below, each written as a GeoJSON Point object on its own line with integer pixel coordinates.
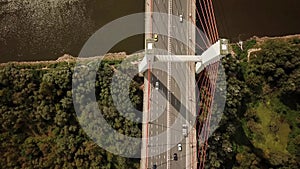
{"type": "Point", "coordinates": [47, 29]}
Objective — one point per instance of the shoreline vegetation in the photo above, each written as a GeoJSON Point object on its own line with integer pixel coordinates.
{"type": "Point", "coordinates": [260, 128]}
{"type": "Point", "coordinates": [122, 55]}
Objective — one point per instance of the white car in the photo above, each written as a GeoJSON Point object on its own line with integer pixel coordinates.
{"type": "Point", "coordinates": [181, 18]}
{"type": "Point", "coordinates": [156, 85]}
{"type": "Point", "coordinates": [179, 147]}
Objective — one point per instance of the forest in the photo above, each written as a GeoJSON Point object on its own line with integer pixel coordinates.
{"type": "Point", "coordinates": [260, 127]}
{"type": "Point", "coordinates": [39, 126]}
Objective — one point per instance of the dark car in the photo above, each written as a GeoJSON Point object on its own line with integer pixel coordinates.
{"type": "Point", "coordinates": [175, 157]}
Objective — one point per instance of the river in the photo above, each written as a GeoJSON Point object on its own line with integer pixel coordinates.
{"type": "Point", "coordinates": [47, 29]}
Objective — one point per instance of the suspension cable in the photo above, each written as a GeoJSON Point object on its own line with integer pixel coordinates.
{"type": "Point", "coordinates": [202, 25]}
{"type": "Point", "coordinates": [205, 21]}
{"type": "Point", "coordinates": [214, 19]}
{"type": "Point", "coordinates": [207, 12]}
{"type": "Point", "coordinates": [209, 111]}
{"type": "Point", "coordinates": [216, 66]}
{"type": "Point", "coordinates": [202, 104]}
{"type": "Point", "coordinates": [211, 23]}
{"type": "Point", "coordinates": [205, 111]}
{"type": "Point", "coordinates": [198, 30]}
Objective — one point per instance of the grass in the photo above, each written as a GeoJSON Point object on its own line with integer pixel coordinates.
{"type": "Point", "coordinates": [291, 115]}
{"type": "Point", "coordinates": [273, 132]}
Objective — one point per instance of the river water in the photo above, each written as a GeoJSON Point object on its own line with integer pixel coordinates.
{"type": "Point", "coordinates": [241, 19]}
{"type": "Point", "coordinates": [47, 29]}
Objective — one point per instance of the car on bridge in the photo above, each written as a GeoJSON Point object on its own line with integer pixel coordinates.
{"type": "Point", "coordinates": [156, 85]}
{"type": "Point", "coordinates": [179, 147]}
{"type": "Point", "coordinates": [181, 18]}
{"type": "Point", "coordinates": [184, 130]}
{"type": "Point", "coordinates": [175, 157]}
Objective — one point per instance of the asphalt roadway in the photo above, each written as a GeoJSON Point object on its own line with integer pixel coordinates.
{"type": "Point", "coordinates": [166, 125]}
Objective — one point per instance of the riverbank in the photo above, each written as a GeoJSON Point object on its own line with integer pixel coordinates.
{"type": "Point", "coordinates": [123, 55]}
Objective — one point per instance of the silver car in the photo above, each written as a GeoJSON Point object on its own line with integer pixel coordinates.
{"type": "Point", "coordinates": [184, 130]}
